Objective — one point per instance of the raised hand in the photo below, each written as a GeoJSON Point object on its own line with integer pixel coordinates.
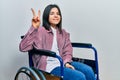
{"type": "Point", "coordinates": [36, 19]}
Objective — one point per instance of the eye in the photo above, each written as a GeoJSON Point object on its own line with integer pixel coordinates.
{"type": "Point", "coordinates": [58, 13]}
{"type": "Point", "coordinates": [51, 13]}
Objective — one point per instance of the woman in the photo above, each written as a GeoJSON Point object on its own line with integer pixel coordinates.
{"type": "Point", "coordinates": [52, 37]}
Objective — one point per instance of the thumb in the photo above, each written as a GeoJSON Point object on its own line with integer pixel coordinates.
{"type": "Point", "coordinates": [72, 67]}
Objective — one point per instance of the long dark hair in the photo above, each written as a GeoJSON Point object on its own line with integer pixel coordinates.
{"type": "Point", "coordinates": [45, 18]}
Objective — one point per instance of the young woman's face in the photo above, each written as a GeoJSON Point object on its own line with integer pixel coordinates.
{"type": "Point", "coordinates": [54, 17]}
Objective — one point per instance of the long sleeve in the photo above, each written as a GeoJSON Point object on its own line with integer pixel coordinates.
{"type": "Point", "coordinates": [67, 50]}
{"type": "Point", "coordinates": [27, 42]}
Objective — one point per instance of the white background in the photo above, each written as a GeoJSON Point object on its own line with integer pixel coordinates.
{"type": "Point", "coordinates": [92, 21]}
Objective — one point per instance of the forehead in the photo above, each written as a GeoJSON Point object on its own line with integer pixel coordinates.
{"type": "Point", "coordinates": [54, 9]}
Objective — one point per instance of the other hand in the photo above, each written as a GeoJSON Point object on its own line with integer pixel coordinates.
{"type": "Point", "coordinates": [69, 66]}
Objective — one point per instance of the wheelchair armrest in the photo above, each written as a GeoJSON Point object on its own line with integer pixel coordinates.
{"type": "Point", "coordinates": [46, 53]}
{"type": "Point", "coordinates": [43, 52]}
{"type": "Point", "coordinates": [88, 45]}
{"type": "Point", "coordinates": [82, 45]}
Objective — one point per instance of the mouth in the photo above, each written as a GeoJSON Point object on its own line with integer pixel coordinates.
{"type": "Point", "coordinates": [55, 19]}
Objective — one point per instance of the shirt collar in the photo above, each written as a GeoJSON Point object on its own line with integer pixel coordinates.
{"type": "Point", "coordinates": [50, 31]}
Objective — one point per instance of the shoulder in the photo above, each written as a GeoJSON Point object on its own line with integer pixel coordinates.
{"type": "Point", "coordinates": [64, 31]}
{"type": "Point", "coordinates": [42, 29]}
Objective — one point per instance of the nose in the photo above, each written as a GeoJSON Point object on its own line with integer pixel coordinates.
{"type": "Point", "coordinates": [55, 16]}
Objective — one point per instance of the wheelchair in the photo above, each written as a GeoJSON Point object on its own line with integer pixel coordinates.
{"type": "Point", "coordinates": [31, 73]}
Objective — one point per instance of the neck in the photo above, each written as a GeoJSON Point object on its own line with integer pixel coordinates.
{"type": "Point", "coordinates": [53, 26]}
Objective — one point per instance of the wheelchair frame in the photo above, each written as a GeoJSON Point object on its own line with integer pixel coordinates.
{"type": "Point", "coordinates": [53, 54]}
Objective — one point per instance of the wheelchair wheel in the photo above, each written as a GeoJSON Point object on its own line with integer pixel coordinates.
{"type": "Point", "coordinates": [25, 73]}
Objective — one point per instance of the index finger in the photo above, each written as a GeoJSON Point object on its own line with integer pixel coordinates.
{"type": "Point", "coordinates": [33, 12]}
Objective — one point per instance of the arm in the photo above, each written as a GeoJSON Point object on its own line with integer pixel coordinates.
{"type": "Point", "coordinates": [28, 41]}
{"type": "Point", "coordinates": [68, 52]}
{"type": "Point", "coordinates": [67, 49]}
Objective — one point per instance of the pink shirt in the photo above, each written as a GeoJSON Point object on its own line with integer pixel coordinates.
{"type": "Point", "coordinates": [42, 39]}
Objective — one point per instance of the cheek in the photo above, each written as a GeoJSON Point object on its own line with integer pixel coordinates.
{"type": "Point", "coordinates": [60, 19]}
{"type": "Point", "coordinates": [50, 19]}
